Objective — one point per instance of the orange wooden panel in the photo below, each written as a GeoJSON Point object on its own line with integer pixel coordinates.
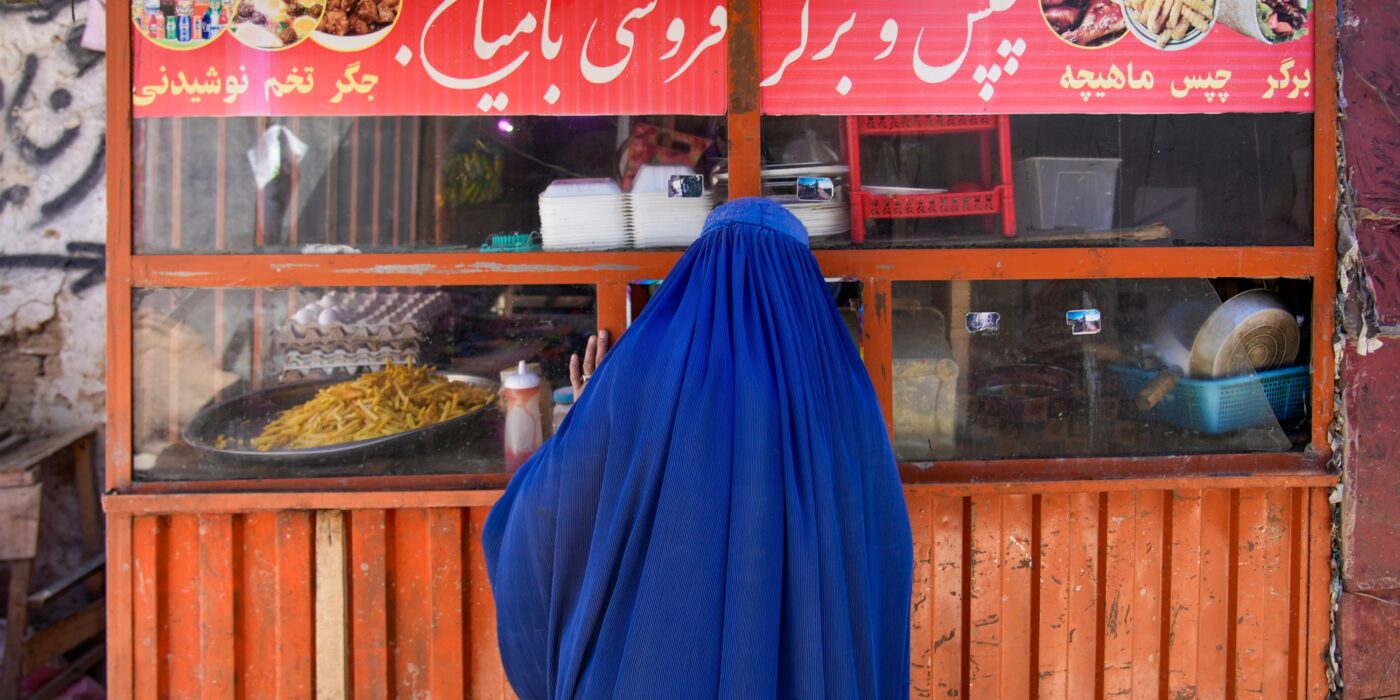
{"type": "Point", "coordinates": [1054, 581]}
{"type": "Point", "coordinates": [1277, 589]}
{"type": "Point", "coordinates": [1214, 603]}
{"type": "Point", "coordinates": [612, 308]}
{"type": "Point", "coordinates": [119, 221]}
{"type": "Point", "coordinates": [921, 601]}
{"type": "Point", "coordinates": [485, 676]}
{"type": "Point", "coordinates": [145, 612]}
{"type": "Point", "coordinates": [412, 604]}
{"type": "Point", "coordinates": [947, 597]}
{"type": "Point", "coordinates": [1082, 619]}
{"type": "Point", "coordinates": [445, 586]}
{"type": "Point", "coordinates": [1324, 225]}
{"type": "Point", "coordinates": [1250, 592]}
{"type": "Point", "coordinates": [1149, 604]}
{"type": "Point", "coordinates": [216, 621]}
{"type": "Point", "coordinates": [1082, 616]}
{"type": "Point", "coordinates": [877, 343]}
{"type": "Point", "coordinates": [985, 596]}
{"type": "Point", "coordinates": [1319, 599]}
{"type": "Point", "coordinates": [369, 619]}
{"type": "Point", "coordinates": [256, 643]}
{"type": "Point", "coordinates": [1120, 595]}
{"type": "Point", "coordinates": [1299, 530]}
{"type": "Point", "coordinates": [295, 617]}
{"type": "Point", "coordinates": [122, 607]}
{"type": "Point", "coordinates": [1183, 622]}
{"type": "Point", "coordinates": [1017, 590]}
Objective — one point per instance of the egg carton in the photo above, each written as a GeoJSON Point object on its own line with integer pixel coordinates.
{"type": "Point", "coordinates": [320, 364]}
{"type": "Point", "coordinates": [364, 320]}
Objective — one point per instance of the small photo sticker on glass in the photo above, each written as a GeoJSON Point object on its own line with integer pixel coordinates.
{"type": "Point", "coordinates": [686, 186]}
{"type": "Point", "coordinates": [983, 322]}
{"type": "Point", "coordinates": [815, 189]}
{"type": "Point", "coordinates": [1084, 321]}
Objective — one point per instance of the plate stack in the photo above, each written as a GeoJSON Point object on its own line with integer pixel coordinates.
{"type": "Point", "coordinates": [584, 214]}
{"type": "Point", "coordinates": [822, 219]}
{"type": "Point", "coordinates": [660, 220]}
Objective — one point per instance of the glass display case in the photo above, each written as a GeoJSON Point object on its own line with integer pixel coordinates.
{"type": "Point", "coordinates": [1088, 261]}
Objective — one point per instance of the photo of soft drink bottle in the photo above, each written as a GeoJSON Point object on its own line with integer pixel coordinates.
{"type": "Point", "coordinates": [172, 32]}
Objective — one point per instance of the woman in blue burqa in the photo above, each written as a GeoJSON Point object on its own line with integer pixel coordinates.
{"type": "Point", "coordinates": [720, 515]}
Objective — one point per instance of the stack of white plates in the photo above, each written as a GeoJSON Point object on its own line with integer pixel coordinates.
{"type": "Point", "coordinates": [659, 221]}
{"type": "Point", "coordinates": [822, 219]}
{"type": "Point", "coordinates": [589, 214]}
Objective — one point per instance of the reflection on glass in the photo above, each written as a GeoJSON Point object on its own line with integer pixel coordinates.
{"type": "Point", "coordinates": [1098, 368]}
{"type": "Point", "coordinates": [846, 293]}
{"type": "Point", "coordinates": [378, 380]}
{"type": "Point", "coordinates": [390, 183]}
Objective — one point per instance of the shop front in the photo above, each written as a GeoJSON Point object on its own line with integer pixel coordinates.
{"type": "Point", "coordinates": [1086, 250]}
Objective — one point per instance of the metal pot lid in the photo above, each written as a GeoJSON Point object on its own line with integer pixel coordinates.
{"type": "Point", "coordinates": [1250, 331]}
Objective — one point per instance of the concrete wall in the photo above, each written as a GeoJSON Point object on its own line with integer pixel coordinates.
{"type": "Point", "coordinates": [52, 203]}
{"type": "Point", "coordinates": [1369, 614]}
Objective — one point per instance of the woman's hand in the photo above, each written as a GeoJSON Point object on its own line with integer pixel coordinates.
{"type": "Point", "coordinates": [581, 370]}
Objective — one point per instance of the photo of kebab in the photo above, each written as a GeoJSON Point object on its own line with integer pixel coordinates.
{"type": "Point", "coordinates": [1085, 23]}
{"type": "Point", "coordinates": [1269, 21]}
{"type": "Point", "coordinates": [359, 17]}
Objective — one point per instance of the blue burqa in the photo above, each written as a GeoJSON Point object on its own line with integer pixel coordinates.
{"type": "Point", "coordinates": [720, 515]}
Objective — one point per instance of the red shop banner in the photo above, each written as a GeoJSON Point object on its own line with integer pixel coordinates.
{"type": "Point", "coordinates": [382, 57]}
{"type": "Point", "coordinates": [1036, 56]}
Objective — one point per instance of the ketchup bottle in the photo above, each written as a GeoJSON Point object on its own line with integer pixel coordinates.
{"type": "Point", "coordinates": [523, 433]}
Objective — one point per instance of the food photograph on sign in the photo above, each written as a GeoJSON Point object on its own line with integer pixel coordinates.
{"type": "Point", "coordinates": [180, 24]}
{"type": "Point", "coordinates": [275, 24]}
{"type": "Point", "coordinates": [354, 25]}
{"type": "Point", "coordinates": [1086, 23]}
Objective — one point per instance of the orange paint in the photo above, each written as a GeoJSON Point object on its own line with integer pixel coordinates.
{"type": "Point", "coordinates": [369, 622]}
{"type": "Point", "coordinates": [947, 598]}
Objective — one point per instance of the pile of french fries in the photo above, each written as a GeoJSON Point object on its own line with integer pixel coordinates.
{"type": "Point", "coordinates": [1171, 20]}
{"type": "Point", "coordinates": [393, 400]}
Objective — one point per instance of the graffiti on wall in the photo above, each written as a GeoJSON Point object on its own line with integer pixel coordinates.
{"type": "Point", "coordinates": [42, 127]}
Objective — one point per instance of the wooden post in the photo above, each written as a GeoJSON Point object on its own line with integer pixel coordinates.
{"type": "Point", "coordinates": [332, 678]}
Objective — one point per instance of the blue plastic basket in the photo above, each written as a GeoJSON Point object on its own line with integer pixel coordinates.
{"type": "Point", "coordinates": [1225, 405]}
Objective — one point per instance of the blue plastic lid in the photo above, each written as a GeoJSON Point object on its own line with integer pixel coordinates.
{"type": "Point", "coordinates": [564, 395]}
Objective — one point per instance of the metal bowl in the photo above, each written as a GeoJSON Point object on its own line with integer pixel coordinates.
{"type": "Point", "coordinates": [1250, 331]}
{"type": "Point", "coordinates": [240, 419]}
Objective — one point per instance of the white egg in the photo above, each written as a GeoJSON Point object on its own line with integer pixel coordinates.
{"type": "Point", "coordinates": [307, 315]}
{"type": "Point", "coordinates": [328, 317]}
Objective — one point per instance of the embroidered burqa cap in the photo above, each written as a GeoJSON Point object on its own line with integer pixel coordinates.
{"type": "Point", "coordinates": [720, 515]}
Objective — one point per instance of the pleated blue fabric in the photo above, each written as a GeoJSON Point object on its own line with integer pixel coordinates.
{"type": "Point", "coordinates": [720, 515]}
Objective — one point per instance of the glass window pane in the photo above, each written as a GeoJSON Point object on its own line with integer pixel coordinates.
{"type": "Point", "coordinates": [386, 184]}
{"type": "Point", "coordinates": [213, 368]}
{"type": "Point", "coordinates": [845, 292]}
{"type": "Point", "coordinates": [1069, 179]}
{"type": "Point", "coordinates": [1072, 368]}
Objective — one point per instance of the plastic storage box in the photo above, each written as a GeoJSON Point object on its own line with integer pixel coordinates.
{"type": "Point", "coordinates": [1225, 405]}
{"type": "Point", "coordinates": [1067, 193]}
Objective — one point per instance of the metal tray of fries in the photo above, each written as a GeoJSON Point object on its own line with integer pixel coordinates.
{"type": "Point", "coordinates": [226, 429]}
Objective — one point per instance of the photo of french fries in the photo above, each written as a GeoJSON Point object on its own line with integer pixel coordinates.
{"type": "Point", "coordinates": [393, 400]}
{"type": "Point", "coordinates": [1168, 22]}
